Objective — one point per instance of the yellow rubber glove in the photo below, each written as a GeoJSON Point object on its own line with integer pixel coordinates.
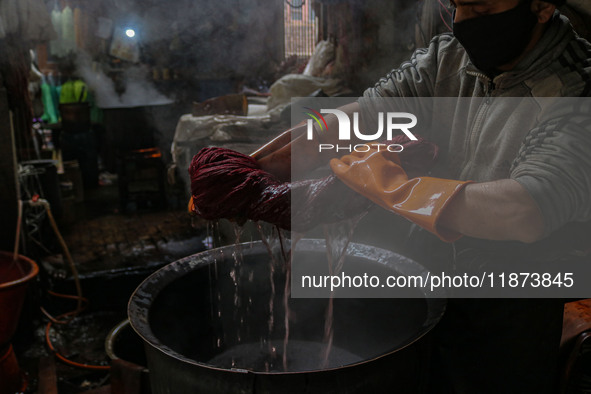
{"type": "Point", "coordinates": [378, 176]}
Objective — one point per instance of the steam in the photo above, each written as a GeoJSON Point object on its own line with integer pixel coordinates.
{"type": "Point", "coordinates": [139, 90]}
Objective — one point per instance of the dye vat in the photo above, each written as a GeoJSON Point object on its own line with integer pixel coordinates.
{"type": "Point", "coordinates": [216, 322]}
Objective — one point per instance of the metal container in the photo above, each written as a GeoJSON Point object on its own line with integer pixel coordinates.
{"type": "Point", "coordinates": [129, 373]}
{"type": "Point", "coordinates": [123, 343]}
{"type": "Point", "coordinates": [194, 311]}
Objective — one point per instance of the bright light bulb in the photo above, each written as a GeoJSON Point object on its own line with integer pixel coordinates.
{"type": "Point", "coordinates": [130, 33]}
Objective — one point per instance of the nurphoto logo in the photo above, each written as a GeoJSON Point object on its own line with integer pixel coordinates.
{"type": "Point", "coordinates": [388, 123]}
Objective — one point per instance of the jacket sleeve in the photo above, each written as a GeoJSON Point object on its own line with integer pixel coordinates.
{"type": "Point", "coordinates": [554, 166]}
{"type": "Point", "coordinates": [414, 78]}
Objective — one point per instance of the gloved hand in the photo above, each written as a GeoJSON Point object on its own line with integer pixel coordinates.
{"type": "Point", "coordinates": [378, 176]}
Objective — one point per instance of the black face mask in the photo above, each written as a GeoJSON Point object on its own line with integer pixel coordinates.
{"type": "Point", "coordinates": [496, 39]}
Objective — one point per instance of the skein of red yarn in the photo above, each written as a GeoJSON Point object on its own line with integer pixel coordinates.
{"type": "Point", "coordinates": [228, 184]}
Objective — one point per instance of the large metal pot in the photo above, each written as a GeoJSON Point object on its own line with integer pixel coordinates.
{"type": "Point", "coordinates": [194, 311]}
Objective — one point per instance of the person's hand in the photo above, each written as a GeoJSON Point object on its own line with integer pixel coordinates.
{"type": "Point", "coordinates": [291, 156]}
{"type": "Point", "coordinates": [279, 142]}
{"type": "Point", "coordinates": [277, 158]}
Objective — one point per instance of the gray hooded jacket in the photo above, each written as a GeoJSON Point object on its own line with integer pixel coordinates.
{"type": "Point", "coordinates": [548, 151]}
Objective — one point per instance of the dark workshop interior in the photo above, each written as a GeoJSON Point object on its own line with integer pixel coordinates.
{"type": "Point", "coordinates": [104, 103]}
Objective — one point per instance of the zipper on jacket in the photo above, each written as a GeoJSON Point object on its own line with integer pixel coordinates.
{"type": "Point", "coordinates": [490, 83]}
{"type": "Point", "coordinates": [478, 121]}
{"type": "Point", "coordinates": [489, 90]}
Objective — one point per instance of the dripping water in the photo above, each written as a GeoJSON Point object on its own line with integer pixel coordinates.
{"type": "Point", "coordinates": [275, 354]}
{"type": "Point", "coordinates": [337, 238]}
{"type": "Point", "coordinates": [214, 291]}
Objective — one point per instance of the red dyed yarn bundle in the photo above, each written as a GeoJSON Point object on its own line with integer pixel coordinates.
{"type": "Point", "coordinates": [228, 184]}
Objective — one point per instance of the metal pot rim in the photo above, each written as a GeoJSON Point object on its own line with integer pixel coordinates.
{"type": "Point", "coordinates": [148, 290]}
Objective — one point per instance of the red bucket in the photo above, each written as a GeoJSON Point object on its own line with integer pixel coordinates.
{"type": "Point", "coordinates": [11, 378]}
{"type": "Point", "coordinates": [14, 279]}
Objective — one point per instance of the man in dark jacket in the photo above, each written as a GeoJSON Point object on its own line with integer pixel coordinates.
{"type": "Point", "coordinates": [531, 179]}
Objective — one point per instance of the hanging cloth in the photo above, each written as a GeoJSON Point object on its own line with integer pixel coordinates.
{"type": "Point", "coordinates": [35, 21]}
{"type": "Point", "coordinates": [9, 12]}
{"type": "Point", "coordinates": [50, 114]}
{"type": "Point", "coordinates": [28, 18]}
{"type": "Point", "coordinates": [68, 33]}
{"type": "Point", "coordinates": [55, 46]}
{"type": "Point", "coordinates": [79, 27]}
{"type": "Point", "coordinates": [73, 92]}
